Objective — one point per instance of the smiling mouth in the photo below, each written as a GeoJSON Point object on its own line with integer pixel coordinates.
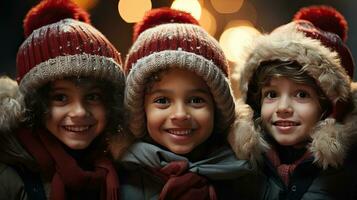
{"type": "Point", "coordinates": [77, 128]}
{"type": "Point", "coordinates": [180, 132]}
{"type": "Point", "coordinates": [285, 123]}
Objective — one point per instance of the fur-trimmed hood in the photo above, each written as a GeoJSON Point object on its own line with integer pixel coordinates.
{"type": "Point", "coordinates": [11, 105]}
{"type": "Point", "coordinates": [12, 110]}
{"type": "Point", "coordinates": [330, 140]}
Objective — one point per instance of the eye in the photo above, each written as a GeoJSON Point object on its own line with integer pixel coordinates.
{"type": "Point", "coordinates": [196, 100]}
{"type": "Point", "coordinates": [59, 97]}
{"type": "Point", "coordinates": [161, 101]}
{"type": "Point", "coordinates": [302, 94]}
{"type": "Point", "coordinates": [94, 97]}
{"type": "Point", "coordinates": [270, 94]}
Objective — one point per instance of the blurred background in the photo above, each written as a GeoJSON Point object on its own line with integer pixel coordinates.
{"type": "Point", "coordinates": [234, 23]}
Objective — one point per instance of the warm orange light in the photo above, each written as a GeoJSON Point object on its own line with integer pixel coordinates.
{"type": "Point", "coordinates": [190, 6]}
{"type": "Point", "coordinates": [86, 4]}
{"type": "Point", "coordinates": [208, 22]}
{"type": "Point", "coordinates": [236, 23]}
{"type": "Point", "coordinates": [227, 6]}
{"type": "Point", "coordinates": [235, 40]}
{"type": "Point", "coordinates": [133, 10]}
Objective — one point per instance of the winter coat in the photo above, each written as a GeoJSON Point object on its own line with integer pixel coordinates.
{"type": "Point", "coordinates": [11, 184]}
{"type": "Point", "coordinates": [19, 177]}
{"type": "Point", "coordinates": [227, 174]}
{"type": "Point", "coordinates": [309, 182]}
{"type": "Point", "coordinates": [16, 164]}
{"type": "Point", "coordinates": [326, 175]}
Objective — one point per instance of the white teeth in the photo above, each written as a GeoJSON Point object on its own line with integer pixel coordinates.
{"type": "Point", "coordinates": [286, 123]}
{"type": "Point", "coordinates": [76, 128]}
{"type": "Point", "coordinates": [183, 132]}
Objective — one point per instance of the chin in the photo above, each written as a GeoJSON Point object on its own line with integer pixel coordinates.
{"type": "Point", "coordinates": [78, 146]}
{"type": "Point", "coordinates": [180, 151]}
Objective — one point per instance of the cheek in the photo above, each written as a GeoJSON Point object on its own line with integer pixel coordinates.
{"type": "Point", "coordinates": [154, 117]}
{"type": "Point", "coordinates": [53, 118]}
{"type": "Point", "coordinates": [101, 113]}
{"type": "Point", "coordinates": [205, 117]}
{"type": "Point", "coordinates": [311, 113]}
{"type": "Point", "coordinates": [53, 114]}
{"type": "Point", "coordinates": [267, 111]}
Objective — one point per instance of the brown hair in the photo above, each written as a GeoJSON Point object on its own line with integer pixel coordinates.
{"type": "Point", "coordinates": [290, 69]}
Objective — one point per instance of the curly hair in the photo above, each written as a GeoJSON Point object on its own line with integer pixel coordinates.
{"type": "Point", "coordinates": [37, 103]}
{"type": "Point", "coordinates": [289, 69]}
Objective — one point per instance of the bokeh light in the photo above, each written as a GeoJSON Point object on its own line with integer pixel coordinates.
{"type": "Point", "coordinates": [190, 6]}
{"type": "Point", "coordinates": [208, 22]}
{"type": "Point", "coordinates": [235, 40]}
{"type": "Point", "coordinates": [238, 22]}
{"type": "Point", "coordinates": [86, 4]}
{"type": "Point", "coordinates": [133, 10]}
{"type": "Point", "coordinates": [227, 6]}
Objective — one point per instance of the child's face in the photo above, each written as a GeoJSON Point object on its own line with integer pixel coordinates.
{"type": "Point", "coordinates": [179, 111]}
{"type": "Point", "coordinates": [76, 113]}
{"type": "Point", "coordinates": [289, 110]}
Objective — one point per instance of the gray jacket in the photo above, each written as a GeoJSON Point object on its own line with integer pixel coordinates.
{"type": "Point", "coordinates": [227, 174]}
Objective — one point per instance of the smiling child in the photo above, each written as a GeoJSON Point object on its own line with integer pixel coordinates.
{"type": "Point", "coordinates": [69, 101]}
{"type": "Point", "coordinates": [297, 82]}
{"type": "Point", "coordinates": [181, 108]}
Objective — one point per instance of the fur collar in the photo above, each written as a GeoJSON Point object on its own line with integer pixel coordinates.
{"type": "Point", "coordinates": [11, 104]}
{"type": "Point", "coordinates": [330, 140]}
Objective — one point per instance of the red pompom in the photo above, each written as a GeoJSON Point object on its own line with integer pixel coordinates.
{"type": "Point", "coordinates": [326, 18]}
{"type": "Point", "coordinates": [51, 11]}
{"type": "Point", "coordinates": [159, 16]}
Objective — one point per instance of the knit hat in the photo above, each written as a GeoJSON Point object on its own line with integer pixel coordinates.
{"type": "Point", "coordinates": [313, 40]}
{"type": "Point", "coordinates": [168, 38]}
{"type": "Point", "coordinates": [60, 42]}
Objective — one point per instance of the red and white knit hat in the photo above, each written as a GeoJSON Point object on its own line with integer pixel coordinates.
{"type": "Point", "coordinates": [60, 42]}
{"type": "Point", "coordinates": [168, 38]}
{"type": "Point", "coordinates": [314, 39]}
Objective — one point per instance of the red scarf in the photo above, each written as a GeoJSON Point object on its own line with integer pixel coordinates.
{"type": "Point", "coordinates": [68, 179]}
{"type": "Point", "coordinates": [182, 184]}
{"type": "Point", "coordinates": [285, 170]}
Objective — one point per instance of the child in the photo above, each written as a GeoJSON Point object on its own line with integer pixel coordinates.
{"type": "Point", "coordinates": [181, 108]}
{"type": "Point", "coordinates": [296, 80]}
{"type": "Point", "coordinates": [69, 100]}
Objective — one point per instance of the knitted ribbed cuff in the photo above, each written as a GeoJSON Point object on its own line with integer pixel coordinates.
{"type": "Point", "coordinates": [81, 65]}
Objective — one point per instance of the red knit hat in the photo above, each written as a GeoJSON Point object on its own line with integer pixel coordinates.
{"type": "Point", "coordinates": [168, 38]}
{"type": "Point", "coordinates": [60, 43]}
{"type": "Point", "coordinates": [330, 27]}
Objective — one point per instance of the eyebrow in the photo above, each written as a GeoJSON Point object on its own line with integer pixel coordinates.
{"type": "Point", "coordinates": [58, 88]}
{"type": "Point", "coordinates": [199, 90]}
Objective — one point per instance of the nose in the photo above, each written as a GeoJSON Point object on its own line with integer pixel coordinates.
{"type": "Point", "coordinates": [77, 109]}
{"type": "Point", "coordinates": [180, 113]}
{"type": "Point", "coordinates": [284, 107]}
